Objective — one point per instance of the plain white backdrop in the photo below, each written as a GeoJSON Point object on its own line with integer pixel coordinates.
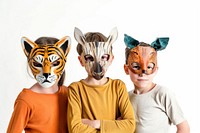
{"type": "Point", "coordinates": [144, 20]}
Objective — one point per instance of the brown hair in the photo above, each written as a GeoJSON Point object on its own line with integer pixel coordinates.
{"type": "Point", "coordinates": [91, 37]}
{"type": "Point", "coordinates": [50, 41]}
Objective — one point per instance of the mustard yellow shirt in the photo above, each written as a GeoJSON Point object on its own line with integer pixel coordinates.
{"type": "Point", "coordinates": [100, 102]}
{"type": "Point", "coordinates": [39, 113]}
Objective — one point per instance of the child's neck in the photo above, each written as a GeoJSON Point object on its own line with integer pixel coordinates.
{"type": "Point", "coordinates": [139, 90]}
{"type": "Point", "coordinates": [39, 89]}
{"type": "Point", "coordinates": [92, 81]}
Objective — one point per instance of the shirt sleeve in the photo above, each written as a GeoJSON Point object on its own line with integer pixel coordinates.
{"type": "Point", "coordinates": [173, 109]}
{"type": "Point", "coordinates": [127, 124]}
{"type": "Point", "coordinates": [74, 121]}
{"type": "Point", "coordinates": [19, 118]}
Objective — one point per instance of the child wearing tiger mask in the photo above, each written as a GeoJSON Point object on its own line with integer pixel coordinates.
{"type": "Point", "coordinates": [155, 106]}
{"type": "Point", "coordinates": [97, 101]}
{"type": "Point", "coordinates": [42, 108]}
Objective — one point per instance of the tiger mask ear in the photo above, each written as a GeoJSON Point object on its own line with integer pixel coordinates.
{"type": "Point", "coordinates": [64, 44]}
{"type": "Point", "coordinates": [27, 45]}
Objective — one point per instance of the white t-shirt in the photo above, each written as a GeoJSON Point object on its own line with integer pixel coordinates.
{"type": "Point", "coordinates": [155, 110]}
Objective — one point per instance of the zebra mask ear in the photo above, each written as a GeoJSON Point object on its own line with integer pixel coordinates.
{"type": "Point", "coordinates": [27, 45]}
{"type": "Point", "coordinates": [112, 36]}
{"type": "Point", "coordinates": [78, 35]}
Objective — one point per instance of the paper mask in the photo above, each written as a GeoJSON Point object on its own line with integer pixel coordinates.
{"type": "Point", "coordinates": [142, 58]}
{"type": "Point", "coordinates": [46, 62]}
{"type": "Point", "coordinates": [96, 55]}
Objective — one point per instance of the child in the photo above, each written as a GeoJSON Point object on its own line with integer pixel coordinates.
{"type": "Point", "coordinates": [96, 103]}
{"type": "Point", "coordinates": [155, 106]}
{"type": "Point", "coordinates": [43, 107]}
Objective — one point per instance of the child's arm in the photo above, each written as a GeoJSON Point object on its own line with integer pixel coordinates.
{"type": "Point", "coordinates": [74, 121]}
{"type": "Point", "coordinates": [92, 123]}
{"type": "Point", "coordinates": [183, 127]}
{"type": "Point", "coordinates": [127, 122]}
{"type": "Point", "coordinates": [174, 111]}
{"type": "Point", "coordinates": [19, 117]}
{"type": "Point", "coordinates": [123, 124]}
{"type": "Point", "coordinates": [75, 124]}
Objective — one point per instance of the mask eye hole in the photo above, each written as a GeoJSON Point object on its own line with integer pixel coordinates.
{"type": "Point", "coordinates": [151, 66]}
{"type": "Point", "coordinates": [105, 57]}
{"type": "Point", "coordinates": [88, 58]}
{"type": "Point", "coordinates": [36, 64]}
{"type": "Point", "coordinates": [135, 66]}
{"type": "Point", "coordinates": [56, 63]}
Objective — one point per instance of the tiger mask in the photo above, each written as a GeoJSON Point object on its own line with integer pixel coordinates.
{"type": "Point", "coordinates": [46, 61]}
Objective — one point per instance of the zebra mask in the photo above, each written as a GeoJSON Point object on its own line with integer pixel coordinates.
{"type": "Point", "coordinates": [96, 56]}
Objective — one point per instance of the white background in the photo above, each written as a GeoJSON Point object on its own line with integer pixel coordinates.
{"type": "Point", "coordinates": [144, 20]}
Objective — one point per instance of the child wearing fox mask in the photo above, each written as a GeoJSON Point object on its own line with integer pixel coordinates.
{"type": "Point", "coordinates": [42, 108]}
{"type": "Point", "coordinates": [96, 102]}
{"type": "Point", "coordinates": [155, 106]}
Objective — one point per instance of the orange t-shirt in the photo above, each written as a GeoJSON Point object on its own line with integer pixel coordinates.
{"type": "Point", "coordinates": [39, 113]}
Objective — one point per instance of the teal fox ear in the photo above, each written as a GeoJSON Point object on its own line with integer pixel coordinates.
{"type": "Point", "coordinates": [160, 43]}
{"type": "Point", "coordinates": [130, 42]}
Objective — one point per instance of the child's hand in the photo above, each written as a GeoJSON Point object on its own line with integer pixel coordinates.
{"type": "Point", "coordinates": [120, 118]}
{"type": "Point", "coordinates": [92, 123]}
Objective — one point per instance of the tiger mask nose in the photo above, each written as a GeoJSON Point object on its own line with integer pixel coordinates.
{"type": "Point", "coordinates": [46, 75]}
{"type": "Point", "coordinates": [47, 69]}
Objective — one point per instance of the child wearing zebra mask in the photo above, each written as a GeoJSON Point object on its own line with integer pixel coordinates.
{"type": "Point", "coordinates": [42, 107]}
{"type": "Point", "coordinates": [96, 102]}
{"type": "Point", "coordinates": [155, 106]}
